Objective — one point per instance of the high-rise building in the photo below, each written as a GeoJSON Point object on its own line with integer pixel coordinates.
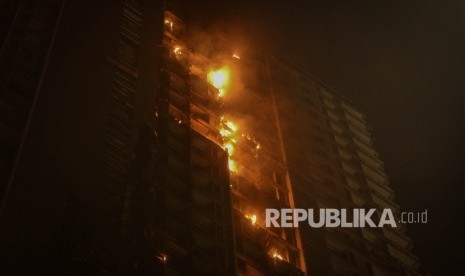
{"type": "Point", "coordinates": [332, 164]}
{"type": "Point", "coordinates": [148, 155]}
{"type": "Point", "coordinates": [27, 33]}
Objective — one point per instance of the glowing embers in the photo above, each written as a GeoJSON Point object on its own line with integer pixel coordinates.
{"type": "Point", "coordinates": [252, 218]}
{"type": "Point", "coordinates": [229, 147]}
{"type": "Point", "coordinates": [220, 79]}
{"type": "Point", "coordinates": [162, 257]}
{"type": "Point", "coordinates": [231, 126]}
{"type": "Point", "coordinates": [177, 50]}
{"type": "Point", "coordinates": [277, 256]}
{"type": "Point", "coordinates": [169, 24]}
{"type": "Point", "coordinates": [227, 131]}
{"type": "Point", "coordinates": [252, 142]}
{"type": "Point", "coordinates": [180, 53]}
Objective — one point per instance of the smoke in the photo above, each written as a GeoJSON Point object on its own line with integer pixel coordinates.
{"type": "Point", "coordinates": [247, 101]}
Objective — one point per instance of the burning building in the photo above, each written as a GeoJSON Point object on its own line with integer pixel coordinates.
{"type": "Point", "coordinates": [164, 174]}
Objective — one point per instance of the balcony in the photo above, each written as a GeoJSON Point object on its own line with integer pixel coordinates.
{"type": "Point", "coordinates": [353, 112]}
{"type": "Point", "coordinates": [340, 141]}
{"type": "Point", "coordinates": [355, 185]}
{"type": "Point", "coordinates": [199, 161]}
{"type": "Point", "coordinates": [360, 125]}
{"type": "Point", "coordinates": [357, 200]}
{"type": "Point", "coordinates": [205, 130]}
{"type": "Point", "coordinates": [371, 161]}
{"type": "Point", "coordinates": [333, 116]}
{"type": "Point", "coordinates": [348, 168]}
{"type": "Point", "coordinates": [327, 95]}
{"type": "Point", "coordinates": [174, 25]}
{"type": "Point", "coordinates": [178, 84]}
{"type": "Point", "coordinates": [178, 115]}
{"type": "Point", "coordinates": [329, 104]}
{"type": "Point", "coordinates": [385, 203]}
{"type": "Point", "coordinates": [398, 238]}
{"type": "Point", "coordinates": [345, 155]}
{"type": "Point", "coordinates": [364, 148]}
{"type": "Point", "coordinates": [376, 176]}
{"type": "Point", "coordinates": [370, 235]}
{"type": "Point", "coordinates": [178, 100]}
{"type": "Point", "coordinates": [336, 128]}
{"type": "Point", "coordinates": [382, 190]}
{"type": "Point", "coordinates": [403, 256]}
{"type": "Point", "coordinates": [361, 135]}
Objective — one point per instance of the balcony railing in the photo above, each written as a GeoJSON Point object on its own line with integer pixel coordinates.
{"type": "Point", "coordinates": [404, 257]}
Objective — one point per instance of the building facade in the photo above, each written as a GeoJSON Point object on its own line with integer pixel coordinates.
{"type": "Point", "coordinates": [27, 33]}
{"type": "Point", "coordinates": [333, 164]}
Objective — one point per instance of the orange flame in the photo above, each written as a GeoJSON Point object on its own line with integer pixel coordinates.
{"type": "Point", "coordinates": [276, 255]}
{"type": "Point", "coordinates": [169, 23]}
{"type": "Point", "coordinates": [232, 166]}
{"type": "Point", "coordinates": [220, 79]}
{"type": "Point", "coordinates": [177, 50]}
{"type": "Point", "coordinates": [252, 218]}
{"type": "Point", "coordinates": [230, 148]}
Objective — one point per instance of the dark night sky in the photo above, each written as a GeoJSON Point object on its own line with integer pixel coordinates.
{"type": "Point", "coordinates": [402, 64]}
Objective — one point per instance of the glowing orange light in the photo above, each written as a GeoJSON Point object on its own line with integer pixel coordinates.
{"type": "Point", "coordinates": [227, 129]}
{"type": "Point", "coordinates": [236, 56]}
{"type": "Point", "coordinates": [232, 166]}
{"type": "Point", "coordinates": [177, 50]}
{"type": "Point", "coordinates": [252, 218]}
{"type": "Point", "coordinates": [231, 126]}
{"type": "Point", "coordinates": [219, 79]}
{"type": "Point", "coordinates": [162, 257]}
{"type": "Point", "coordinates": [169, 23]}
{"type": "Point", "coordinates": [225, 132]}
{"type": "Point", "coordinates": [277, 256]}
{"type": "Point", "coordinates": [229, 147]}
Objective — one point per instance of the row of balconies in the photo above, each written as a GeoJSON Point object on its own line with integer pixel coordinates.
{"type": "Point", "coordinates": [357, 127]}
{"type": "Point", "coordinates": [385, 204]}
{"type": "Point", "coordinates": [365, 148]}
{"type": "Point", "coordinates": [376, 180]}
{"type": "Point", "coordinates": [131, 24]}
{"type": "Point", "coordinates": [369, 166]}
{"type": "Point", "coordinates": [377, 176]}
{"type": "Point", "coordinates": [362, 136]}
{"type": "Point", "coordinates": [353, 112]}
{"type": "Point", "coordinates": [406, 258]}
{"type": "Point", "coordinates": [382, 190]}
{"type": "Point", "coordinates": [173, 24]}
{"type": "Point", "coordinates": [363, 142]}
{"type": "Point", "coordinates": [371, 160]}
{"type": "Point", "coordinates": [398, 238]}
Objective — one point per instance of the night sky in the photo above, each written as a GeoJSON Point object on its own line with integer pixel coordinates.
{"type": "Point", "coordinates": [402, 64]}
